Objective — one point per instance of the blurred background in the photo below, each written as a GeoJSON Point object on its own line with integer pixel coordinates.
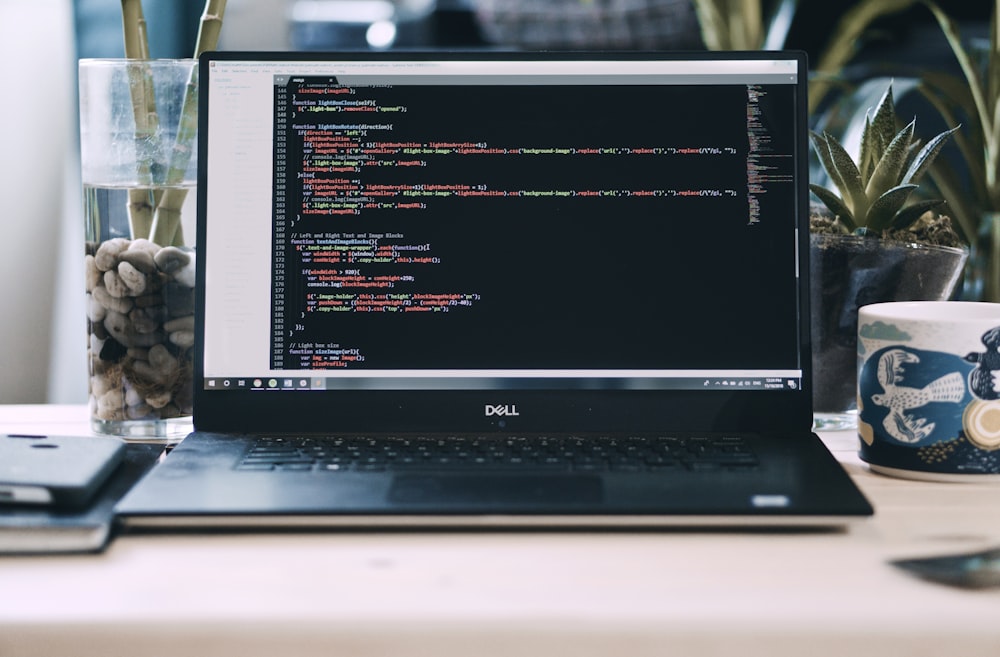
{"type": "Point", "coordinates": [42, 335]}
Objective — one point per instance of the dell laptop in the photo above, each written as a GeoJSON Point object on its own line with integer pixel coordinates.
{"type": "Point", "coordinates": [501, 289]}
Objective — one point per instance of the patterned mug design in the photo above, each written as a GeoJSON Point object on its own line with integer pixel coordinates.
{"type": "Point", "coordinates": [921, 409]}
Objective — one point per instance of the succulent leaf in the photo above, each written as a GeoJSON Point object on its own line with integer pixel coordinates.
{"type": "Point", "coordinates": [836, 206]}
{"type": "Point", "coordinates": [886, 206]}
{"type": "Point", "coordinates": [866, 164]}
{"type": "Point", "coordinates": [908, 215]}
{"type": "Point", "coordinates": [883, 125]}
{"type": "Point", "coordinates": [889, 170]}
{"type": "Point", "coordinates": [851, 187]}
{"type": "Point", "coordinates": [911, 154]}
{"type": "Point", "coordinates": [823, 151]}
{"type": "Point", "coordinates": [925, 157]}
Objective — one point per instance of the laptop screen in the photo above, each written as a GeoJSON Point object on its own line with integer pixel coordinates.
{"type": "Point", "coordinates": [498, 224]}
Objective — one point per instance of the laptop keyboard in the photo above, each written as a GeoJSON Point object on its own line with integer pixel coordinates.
{"type": "Point", "coordinates": [523, 453]}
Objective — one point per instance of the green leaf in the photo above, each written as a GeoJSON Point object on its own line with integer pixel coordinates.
{"type": "Point", "coordinates": [746, 19]}
{"type": "Point", "coordinates": [853, 189]}
{"type": "Point", "coordinates": [886, 206]}
{"type": "Point", "coordinates": [779, 25]}
{"type": "Point", "coordinates": [883, 126]}
{"type": "Point", "coordinates": [993, 61]}
{"type": "Point", "coordinates": [845, 40]}
{"type": "Point", "coordinates": [866, 163]}
{"type": "Point", "coordinates": [889, 171]}
{"type": "Point", "coordinates": [836, 206]}
{"type": "Point", "coordinates": [954, 38]}
{"type": "Point", "coordinates": [911, 154]}
{"type": "Point", "coordinates": [987, 106]}
{"type": "Point", "coordinates": [823, 151]}
{"type": "Point", "coordinates": [714, 29]}
{"type": "Point", "coordinates": [951, 89]}
{"type": "Point", "coordinates": [950, 97]}
{"type": "Point", "coordinates": [926, 156]}
{"type": "Point", "coordinates": [979, 98]}
{"type": "Point", "coordinates": [905, 217]}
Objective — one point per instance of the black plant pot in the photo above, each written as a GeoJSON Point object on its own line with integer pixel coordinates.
{"type": "Point", "coordinates": [848, 271]}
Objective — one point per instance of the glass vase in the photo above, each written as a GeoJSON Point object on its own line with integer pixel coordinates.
{"type": "Point", "coordinates": [138, 128]}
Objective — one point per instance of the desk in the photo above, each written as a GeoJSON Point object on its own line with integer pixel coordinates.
{"type": "Point", "coordinates": [462, 594]}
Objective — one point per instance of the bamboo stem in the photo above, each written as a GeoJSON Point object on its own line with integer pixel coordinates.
{"type": "Point", "coordinates": [140, 208]}
{"type": "Point", "coordinates": [134, 29]}
{"type": "Point", "coordinates": [211, 25]}
{"type": "Point", "coordinates": [166, 228]}
{"type": "Point", "coordinates": [166, 224]}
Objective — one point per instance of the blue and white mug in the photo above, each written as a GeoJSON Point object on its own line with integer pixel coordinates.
{"type": "Point", "coordinates": [929, 389]}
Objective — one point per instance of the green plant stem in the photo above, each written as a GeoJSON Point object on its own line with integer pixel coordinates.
{"type": "Point", "coordinates": [211, 25]}
{"type": "Point", "coordinates": [140, 207]}
{"type": "Point", "coordinates": [134, 29]}
{"type": "Point", "coordinates": [166, 227]}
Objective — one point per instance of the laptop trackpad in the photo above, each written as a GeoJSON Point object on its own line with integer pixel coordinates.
{"type": "Point", "coordinates": [506, 489]}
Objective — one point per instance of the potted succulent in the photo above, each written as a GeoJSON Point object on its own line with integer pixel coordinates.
{"type": "Point", "coordinates": [872, 243]}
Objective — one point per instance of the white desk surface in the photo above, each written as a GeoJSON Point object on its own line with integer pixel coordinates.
{"type": "Point", "coordinates": [444, 594]}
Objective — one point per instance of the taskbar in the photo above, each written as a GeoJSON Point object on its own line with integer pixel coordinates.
{"type": "Point", "coordinates": [321, 383]}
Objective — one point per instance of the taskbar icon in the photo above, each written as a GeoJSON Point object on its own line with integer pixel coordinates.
{"type": "Point", "coordinates": [265, 383]}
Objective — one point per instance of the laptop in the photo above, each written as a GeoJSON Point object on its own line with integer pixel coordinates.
{"type": "Point", "coordinates": [469, 289]}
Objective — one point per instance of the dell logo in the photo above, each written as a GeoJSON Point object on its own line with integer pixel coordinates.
{"type": "Point", "coordinates": [506, 410]}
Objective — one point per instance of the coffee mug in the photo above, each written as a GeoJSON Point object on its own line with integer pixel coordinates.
{"type": "Point", "coordinates": [929, 389]}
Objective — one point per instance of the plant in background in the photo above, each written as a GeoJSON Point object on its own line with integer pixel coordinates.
{"type": "Point", "coordinates": [740, 24]}
{"type": "Point", "coordinates": [846, 39]}
{"type": "Point", "coordinates": [971, 99]}
{"type": "Point", "coordinates": [874, 191]}
{"type": "Point", "coordinates": [974, 98]}
{"type": "Point", "coordinates": [157, 216]}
